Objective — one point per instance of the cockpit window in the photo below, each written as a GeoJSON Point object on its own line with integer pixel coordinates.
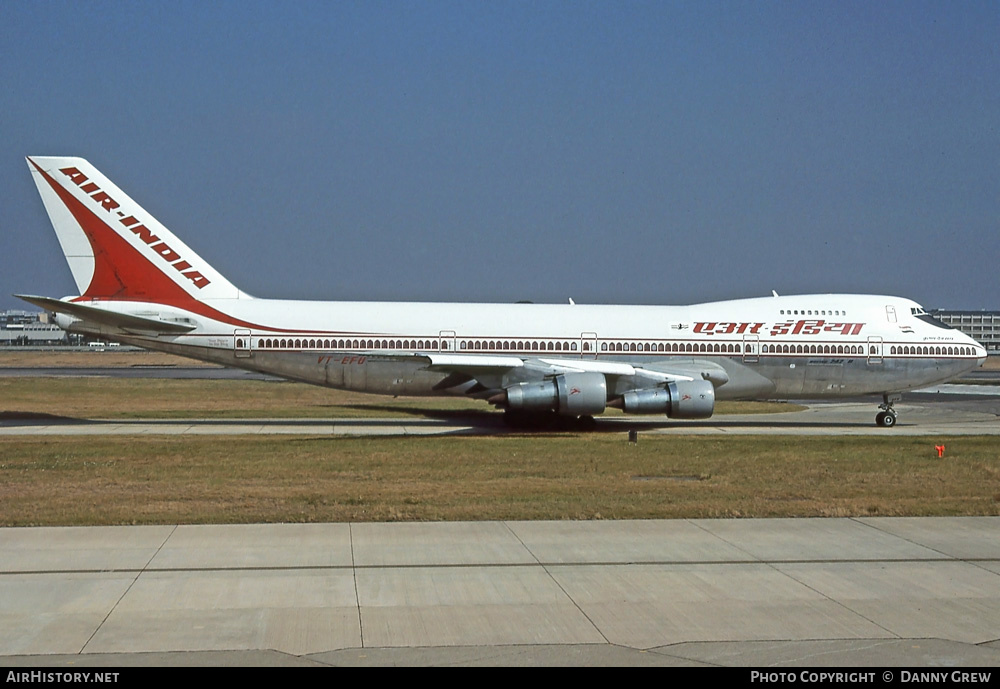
{"type": "Point", "coordinates": [927, 318]}
{"type": "Point", "coordinates": [918, 311]}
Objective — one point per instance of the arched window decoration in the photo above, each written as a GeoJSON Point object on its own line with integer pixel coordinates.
{"type": "Point", "coordinates": [572, 346]}
{"type": "Point", "coordinates": [659, 347]}
{"type": "Point", "coordinates": [763, 349]}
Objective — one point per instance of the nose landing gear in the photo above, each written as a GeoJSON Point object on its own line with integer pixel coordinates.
{"type": "Point", "coordinates": [887, 417]}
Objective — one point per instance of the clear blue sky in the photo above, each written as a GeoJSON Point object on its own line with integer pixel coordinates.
{"type": "Point", "coordinates": [612, 152]}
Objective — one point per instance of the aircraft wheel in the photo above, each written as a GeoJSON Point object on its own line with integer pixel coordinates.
{"type": "Point", "coordinates": [885, 419]}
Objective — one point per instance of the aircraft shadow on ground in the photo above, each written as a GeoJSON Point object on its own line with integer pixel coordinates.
{"type": "Point", "coordinates": [479, 421]}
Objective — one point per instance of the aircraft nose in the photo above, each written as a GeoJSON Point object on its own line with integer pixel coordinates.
{"type": "Point", "coordinates": [980, 355]}
{"type": "Point", "coordinates": [979, 349]}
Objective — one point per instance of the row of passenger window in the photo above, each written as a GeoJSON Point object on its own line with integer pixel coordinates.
{"type": "Point", "coordinates": [496, 346]}
{"type": "Point", "coordinates": [671, 347]}
{"type": "Point", "coordinates": [812, 312]}
{"type": "Point", "coordinates": [554, 346]}
{"type": "Point", "coordinates": [511, 346]}
{"type": "Point", "coordinates": [419, 345]}
{"type": "Point", "coordinates": [813, 349]}
{"type": "Point", "coordinates": [932, 351]}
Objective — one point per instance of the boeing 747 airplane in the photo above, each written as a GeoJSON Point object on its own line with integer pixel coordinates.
{"type": "Point", "coordinates": [141, 285]}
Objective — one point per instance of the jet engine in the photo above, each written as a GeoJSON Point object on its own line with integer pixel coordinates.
{"type": "Point", "coordinates": [568, 394]}
{"type": "Point", "coordinates": [693, 399]}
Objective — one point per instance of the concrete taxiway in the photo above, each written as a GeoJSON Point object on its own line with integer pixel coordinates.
{"type": "Point", "coordinates": [807, 592]}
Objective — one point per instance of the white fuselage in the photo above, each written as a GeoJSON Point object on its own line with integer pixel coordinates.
{"type": "Point", "coordinates": [791, 346]}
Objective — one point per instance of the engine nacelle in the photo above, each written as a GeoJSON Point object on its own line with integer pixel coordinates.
{"type": "Point", "coordinates": [683, 399]}
{"type": "Point", "coordinates": [568, 394]}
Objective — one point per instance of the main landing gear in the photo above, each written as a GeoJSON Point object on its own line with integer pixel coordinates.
{"type": "Point", "coordinates": [887, 417]}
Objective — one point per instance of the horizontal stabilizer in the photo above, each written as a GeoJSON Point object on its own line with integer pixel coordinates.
{"type": "Point", "coordinates": [105, 317]}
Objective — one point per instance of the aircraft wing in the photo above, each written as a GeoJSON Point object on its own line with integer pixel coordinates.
{"type": "Point", "coordinates": [126, 322]}
{"type": "Point", "coordinates": [487, 368]}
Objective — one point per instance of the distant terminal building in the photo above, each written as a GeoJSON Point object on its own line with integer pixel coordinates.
{"type": "Point", "coordinates": [27, 328]}
{"type": "Point", "coordinates": [981, 326]}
